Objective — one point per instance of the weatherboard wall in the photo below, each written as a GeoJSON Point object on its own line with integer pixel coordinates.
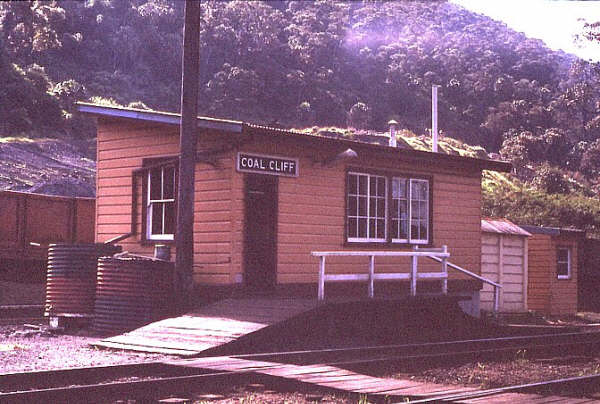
{"type": "Point", "coordinates": [311, 207]}
{"type": "Point", "coordinates": [122, 148]}
{"type": "Point", "coordinates": [311, 214]}
{"type": "Point", "coordinates": [546, 293]}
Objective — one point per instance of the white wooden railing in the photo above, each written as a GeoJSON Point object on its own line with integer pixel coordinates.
{"type": "Point", "coordinates": [440, 255]}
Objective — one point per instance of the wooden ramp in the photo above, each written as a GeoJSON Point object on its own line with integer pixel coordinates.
{"type": "Point", "coordinates": [209, 326]}
{"type": "Point", "coordinates": [325, 376]}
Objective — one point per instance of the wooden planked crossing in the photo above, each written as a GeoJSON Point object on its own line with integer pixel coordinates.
{"type": "Point", "coordinates": [210, 326]}
{"type": "Point", "coordinates": [334, 378]}
{"type": "Point", "coordinates": [326, 376]}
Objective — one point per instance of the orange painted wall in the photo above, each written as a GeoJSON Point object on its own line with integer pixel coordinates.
{"type": "Point", "coordinates": [546, 293]}
{"type": "Point", "coordinates": [311, 207]}
{"type": "Point", "coordinates": [311, 216]}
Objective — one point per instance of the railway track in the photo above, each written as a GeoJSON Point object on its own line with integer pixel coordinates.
{"type": "Point", "coordinates": [579, 384]}
{"type": "Point", "coordinates": [460, 348]}
{"type": "Point", "coordinates": [157, 379]}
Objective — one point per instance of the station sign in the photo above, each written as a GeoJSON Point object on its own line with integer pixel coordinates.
{"type": "Point", "coordinates": [272, 165]}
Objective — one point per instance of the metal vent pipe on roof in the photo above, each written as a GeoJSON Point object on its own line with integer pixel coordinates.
{"type": "Point", "coordinates": [393, 125]}
{"type": "Point", "coordinates": [434, 118]}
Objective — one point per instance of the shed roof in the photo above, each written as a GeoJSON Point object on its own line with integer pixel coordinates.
{"type": "Point", "coordinates": [553, 231]}
{"type": "Point", "coordinates": [227, 125]}
{"type": "Point", "coordinates": [502, 226]}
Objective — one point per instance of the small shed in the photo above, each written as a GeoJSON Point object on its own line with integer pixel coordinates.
{"type": "Point", "coordinates": [553, 266]}
{"type": "Point", "coordinates": [504, 260]}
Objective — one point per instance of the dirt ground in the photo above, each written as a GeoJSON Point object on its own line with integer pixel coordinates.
{"type": "Point", "coordinates": [486, 374]}
{"type": "Point", "coordinates": [35, 347]}
{"type": "Point", "coordinates": [46, 166]}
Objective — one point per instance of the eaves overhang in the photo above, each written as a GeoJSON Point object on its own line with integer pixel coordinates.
{"type": "Point", "coordinates": [399, 152]}
{"type": "Point", "coordinates": [169, 118]}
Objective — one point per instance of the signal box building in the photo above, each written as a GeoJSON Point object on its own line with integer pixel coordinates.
{"type": "Point", "coordinates": [266, 198]}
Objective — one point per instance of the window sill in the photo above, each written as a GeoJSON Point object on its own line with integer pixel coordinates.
{"type": "Point", "coordinates": [155, 242]}
{"type": "Point", "coordinates": [385, 244]}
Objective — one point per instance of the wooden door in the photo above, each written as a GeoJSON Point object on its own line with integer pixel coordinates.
{"type": "Point", "coordinates": [260, 225]}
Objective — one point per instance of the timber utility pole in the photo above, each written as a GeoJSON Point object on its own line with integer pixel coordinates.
{"type": "Point", "coordinates": [184, 236]}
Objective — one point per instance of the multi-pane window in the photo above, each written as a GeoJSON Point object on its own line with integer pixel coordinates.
{"type": "Point", "coordinates": [410, 210]}
{"type": "Point", "coordinates": [375, 216]}
{"type": "Point", "coordinates": [160, 213]}
{"type": "Point", "coordinates": [399, 213]}
{"type": "Point", "coordinates": [563, 263]}
{"type": "Point", "coordinates": [419, 211]}
{"type": "Point", "coordinates": [367, 200]}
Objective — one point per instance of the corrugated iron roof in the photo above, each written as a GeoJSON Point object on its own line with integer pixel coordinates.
{"type": "Point", "coordinates": [552, 231]}
{"type": "Point", "coordinates": [502, 226]}
{"type": "Point", "coordinates": [243, 127]}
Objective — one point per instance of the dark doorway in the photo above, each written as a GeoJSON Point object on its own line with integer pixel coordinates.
{"type": "Point", "coordinates": [260, 259]}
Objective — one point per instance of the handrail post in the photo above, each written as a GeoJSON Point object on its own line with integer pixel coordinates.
{"type": "Point", "coordinates": [413, 274]}
{"type": "Point", "coordinates": [371, 275]}
{"type": "Point", "coordinates": [321, 293]}
{"type": "Point", "coordinates": [445, 270]}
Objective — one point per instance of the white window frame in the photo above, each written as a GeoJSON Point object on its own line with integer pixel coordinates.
{"type": "Point", "coordinates": [407, 183]}
{"type": "Point", "coordinates": [409, 200]}
{"type": "Point", "coordinates": [151, 202]}
{"type": "Point", "coordinates": [368, 217]}
{"type": "Point", "coordinates": [568, 275]}
{"type": "Point", "coordinates": [387, 216]}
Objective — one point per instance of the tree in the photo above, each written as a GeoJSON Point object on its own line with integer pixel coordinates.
{"type": "Point", "coordinates": [30, 27]}
{"type": "Point", "coordinates": [359, 116]}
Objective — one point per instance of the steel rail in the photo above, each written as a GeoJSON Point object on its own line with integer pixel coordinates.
{"type": "Point", "coordinates": [530, 387]}
{"type": "Point", "coordinates": [520, 342]}
{"type": "Point", "coordinates": [101, 392]}
{"type": "Point", "coordinates": [162, 383]}
{"type": "Point", "coordinates": [522, 338]}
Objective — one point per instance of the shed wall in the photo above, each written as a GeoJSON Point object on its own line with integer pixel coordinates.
{"type": "Point", "coordinates": [503, 259]}
{"type": "Point", "coordinates": [564, 291]}
{"type": "Point", "coordinates": [547, 293]}
{"type": "Point", "coordinates": [541, 267]}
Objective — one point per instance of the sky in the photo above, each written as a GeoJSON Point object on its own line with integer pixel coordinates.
{"type": "Point", "coordinates": [556, 22]}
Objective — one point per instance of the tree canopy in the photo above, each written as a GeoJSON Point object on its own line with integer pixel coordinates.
{"type": "Point", "coordinates": [300, 63]}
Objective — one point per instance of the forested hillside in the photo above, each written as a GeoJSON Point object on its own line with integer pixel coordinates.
{"type": "Point", "coordinates": [301, 64]}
